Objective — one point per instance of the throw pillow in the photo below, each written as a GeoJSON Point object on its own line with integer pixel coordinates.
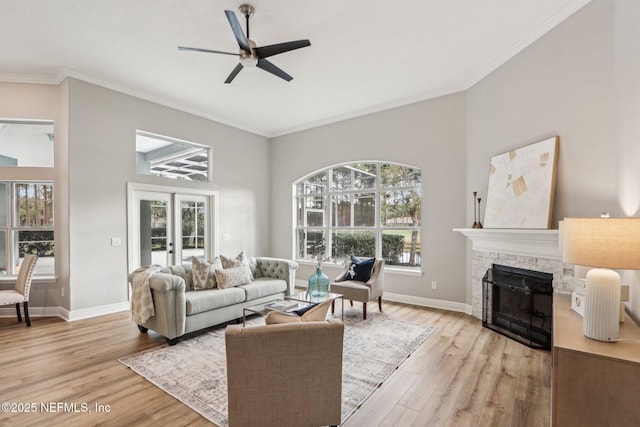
{"type": "Point", "coordinates": [238, 261]}
{"type": "Point", "coordinates": [303, 310]}
{"type": "Point", "coordinates": [360, 269]}
{"type": "Point", "coordinates": [202, 273]}
{"type": "Point", "coordinates": [312, 313]}
{"type": "Point", "coordinates": [235, 276]}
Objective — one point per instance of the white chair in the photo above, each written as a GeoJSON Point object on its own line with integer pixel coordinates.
{"type": "Point", "coordinates": [23, 286]}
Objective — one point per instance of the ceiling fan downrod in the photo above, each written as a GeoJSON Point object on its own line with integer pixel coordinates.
{"type": "Point", "coordinates": [247, 10]}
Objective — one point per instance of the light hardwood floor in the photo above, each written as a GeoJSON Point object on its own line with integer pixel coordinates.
{"type": "Point", "coordinates": [462, 375]}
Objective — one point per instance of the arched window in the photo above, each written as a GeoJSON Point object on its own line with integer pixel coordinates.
{"type": "Point", "coordinates": [367, 209]}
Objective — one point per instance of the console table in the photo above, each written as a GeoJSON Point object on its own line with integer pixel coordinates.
{"type": "Point", "coordinates": [593, 383]}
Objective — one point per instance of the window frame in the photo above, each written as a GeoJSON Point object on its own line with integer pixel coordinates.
{"type": "Point", "coordinates": [188, 171]}
{"type": "Point", "coordinates": [12, 227]}
{"type": "Point", "coordinates": [329, 194]}
{"type": "Point", "coordinates": [49, 163]}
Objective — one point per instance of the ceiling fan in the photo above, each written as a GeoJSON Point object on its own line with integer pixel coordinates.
{"type": "Point", "coordinates": [250, 54]}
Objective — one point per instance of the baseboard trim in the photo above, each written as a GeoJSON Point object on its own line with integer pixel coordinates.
{"type": "Point", "coordinates": [69, 316]}
{"type": "Point", "coordinates": [419, 301]}
{"type": "Point", "coordinates": [10, 311]}
{"type": "Point", "coordinates": [428, 302]}
{"type": "Point", "coordinates": [87, 313]}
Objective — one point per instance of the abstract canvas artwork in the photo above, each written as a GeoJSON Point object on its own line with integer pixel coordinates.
{"type": "Point", "coordinates": [521, 187]}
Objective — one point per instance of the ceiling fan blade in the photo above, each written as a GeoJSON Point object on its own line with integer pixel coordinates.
{"type": "Point", "coordinates": [197, 49]}
{"type": "Point", "coordinates": [274, 49]}
{"type": "Point", "coordinates": [268, 66]}
{"type": "Point", "coordinates": [237, 30]}
{"type": "Point", "coordinates": [234, 73]}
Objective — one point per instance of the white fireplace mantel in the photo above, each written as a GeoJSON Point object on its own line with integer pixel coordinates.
{"type": "Point", "coordinates": [523, 242]}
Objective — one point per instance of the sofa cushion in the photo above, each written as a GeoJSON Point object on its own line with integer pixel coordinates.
{"type": "Point", "coordinates": [210, 299]}
{"type": "Point", "coordinates": [263, 287]}
{"type": "Point", "coordinates": [203, 273]}
{"type": "Point", "coordinates": [230, 277]}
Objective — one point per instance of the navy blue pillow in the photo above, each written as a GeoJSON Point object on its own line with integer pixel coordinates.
{"type": "Point", "coordinates": [360, 269]}
{"type": "Point", "coordinates": [303, 310]}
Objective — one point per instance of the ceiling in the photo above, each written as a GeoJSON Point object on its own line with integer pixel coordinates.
{"type": "Point", "coordinates": [365, 56]}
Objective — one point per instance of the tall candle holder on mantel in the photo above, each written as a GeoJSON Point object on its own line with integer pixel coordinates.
{"type": "Point", "coordinates": [479, 213]}
{"type": "Point", "coordinates": [476, 211]}
{"type": "Point", "coordinates": [475, 215]}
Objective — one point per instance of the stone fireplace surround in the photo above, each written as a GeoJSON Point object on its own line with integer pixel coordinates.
{"type": "Point", "coordinates": [537, 250]}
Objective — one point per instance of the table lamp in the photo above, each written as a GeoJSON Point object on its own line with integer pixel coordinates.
{"type": "Point", "coordinates": [604, 243]}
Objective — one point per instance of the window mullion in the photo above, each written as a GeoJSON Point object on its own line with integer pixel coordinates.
{"type": "Point", "coordinates": [328, 203]}
{"type": "Point", "coordinates": [378, 206]}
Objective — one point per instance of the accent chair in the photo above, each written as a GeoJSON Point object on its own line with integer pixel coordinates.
{"type": "Point", "coordinates": [287, 374]}
{"type": "Point", "coordinates": [356, 290]}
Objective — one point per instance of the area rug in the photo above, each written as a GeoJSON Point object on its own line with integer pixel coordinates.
{"type": "Point", "coordinates": [193, 371]}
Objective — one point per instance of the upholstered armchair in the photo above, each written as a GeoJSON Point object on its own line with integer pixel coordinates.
{"type": "Point", "coordinates": [356, 290]}
{"type": "Point", "coordinates": [288, 374]}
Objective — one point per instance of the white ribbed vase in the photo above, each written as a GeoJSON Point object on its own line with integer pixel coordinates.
{"type": "Point", "coordinates": [602, 305]}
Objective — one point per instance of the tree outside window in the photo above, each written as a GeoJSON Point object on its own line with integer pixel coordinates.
{"type": "Point", "coordinates": [28, 229]}
{"type": "Point", "coordinates": [362, 209]}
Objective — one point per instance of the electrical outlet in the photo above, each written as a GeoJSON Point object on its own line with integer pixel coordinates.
{"type": "Point", "coordinates": [434, 284]}
{"type": "Point", "coordinates": [116, 241]}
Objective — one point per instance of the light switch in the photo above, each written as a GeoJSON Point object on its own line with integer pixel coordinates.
{"type": "Point", "coordinates": [116, 241]}
{"type": "Point", "coordinates": [226, 236]}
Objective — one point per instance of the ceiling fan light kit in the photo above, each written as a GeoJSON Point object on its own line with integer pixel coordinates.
{"type": "Point", "coordinates": [250, 54]}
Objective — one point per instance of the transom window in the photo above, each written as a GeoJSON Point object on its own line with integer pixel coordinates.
{"type": "Point", "coordinates": [26, 143]}
{"type": "Point", "coordinates": [368, 209]}
{"type": "Point", "coordinates": [172, 158]}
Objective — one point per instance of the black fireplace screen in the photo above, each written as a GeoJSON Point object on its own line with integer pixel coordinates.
{"type": "Point", "coordinates": [518, 304]}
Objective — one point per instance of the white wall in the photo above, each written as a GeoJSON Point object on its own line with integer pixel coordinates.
{"type": "Point", "coordinates": [429, 135]}
{"type": "Point", "coordinates": [102, 125]}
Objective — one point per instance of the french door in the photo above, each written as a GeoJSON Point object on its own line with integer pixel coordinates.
{"type": "Point", "coordinates": [168, 227]}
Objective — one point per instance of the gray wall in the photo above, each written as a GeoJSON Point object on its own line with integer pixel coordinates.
{"type": "Point", "coordinates": [580, 82]}
{"type": "Point", "coordinates": [102, 158]}
{"type": "Point", "coordinates": [561, 85]}
{"type": "Point", "coordinates": [429, 135]}
{"type": "Point", "coordinates": [627, 75]}
{"type": "Point", "coordinates": [27, 101]}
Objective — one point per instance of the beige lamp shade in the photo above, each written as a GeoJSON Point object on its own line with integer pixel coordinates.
{"type": "Point", "coordinates": [607, 243]}
{"type": "Point", "coordinates": [602, 242]}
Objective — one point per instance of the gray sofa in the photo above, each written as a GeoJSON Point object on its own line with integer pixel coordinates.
{"type": "Point", "coordinates": [179, 309]}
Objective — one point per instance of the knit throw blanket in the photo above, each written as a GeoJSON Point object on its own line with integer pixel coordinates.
{"type": "Point", "coordinates": [141, 299]}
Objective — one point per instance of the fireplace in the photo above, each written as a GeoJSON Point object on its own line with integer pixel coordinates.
{"type": "Point", "coordinates": [518, 303]}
